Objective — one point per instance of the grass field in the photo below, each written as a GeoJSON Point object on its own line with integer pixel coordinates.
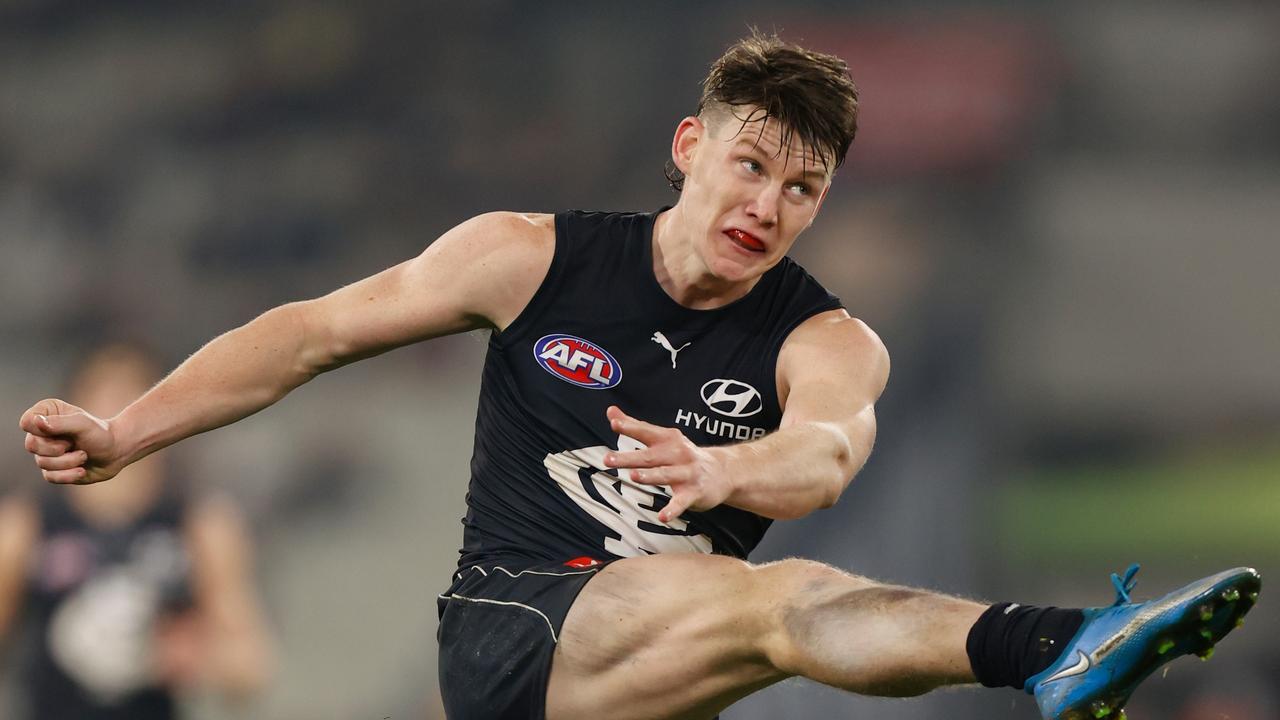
{"type": "Point", "coordinates": [1222, 505]}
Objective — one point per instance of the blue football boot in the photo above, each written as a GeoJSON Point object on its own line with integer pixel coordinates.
{"type": "Point", "coordinates": [1118, 647]}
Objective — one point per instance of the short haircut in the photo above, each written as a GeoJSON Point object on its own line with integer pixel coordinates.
{"type": "Point", "coordinates": [807, 93]}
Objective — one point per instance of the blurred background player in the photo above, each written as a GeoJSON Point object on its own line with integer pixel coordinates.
{"type": "Point", "coordinates": [135, 591]}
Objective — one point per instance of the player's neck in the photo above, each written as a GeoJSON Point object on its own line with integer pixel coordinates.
{"type": "Point", "coordinates": [682, 273]}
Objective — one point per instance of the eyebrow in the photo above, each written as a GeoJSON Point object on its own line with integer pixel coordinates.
{"type": "Point", "coordinates": [814, 162]}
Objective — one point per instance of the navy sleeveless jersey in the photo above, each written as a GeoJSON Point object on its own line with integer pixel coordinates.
{"type": "Point", "coordinates": [601, 331]}
{"type": "Point", "coordinates": [94, 597]}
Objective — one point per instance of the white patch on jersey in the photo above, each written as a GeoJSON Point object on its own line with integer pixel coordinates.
{"type": "Point", "coordinates": [101, 635]}
{"type": "Point", "coordinates": [629, 503]}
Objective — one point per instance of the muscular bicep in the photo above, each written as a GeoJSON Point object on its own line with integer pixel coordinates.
{"type": "Point", "coordinates": [831, 371]}
{"type": "Point", "coordinates": [479, 274]}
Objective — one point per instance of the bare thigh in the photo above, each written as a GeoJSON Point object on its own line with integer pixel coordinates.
{"type": "Point", "coordinates": [665, 636]}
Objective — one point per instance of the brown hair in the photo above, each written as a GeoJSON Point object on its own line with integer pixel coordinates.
{"type": "Point", "coordinates": [806, 92]}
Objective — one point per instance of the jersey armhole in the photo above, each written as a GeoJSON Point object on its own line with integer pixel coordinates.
{"type": "Point", "coordinates": [546, 290]}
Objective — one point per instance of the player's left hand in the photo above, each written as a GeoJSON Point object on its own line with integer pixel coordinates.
{"type": "Point", "coordinates": [696, 476]}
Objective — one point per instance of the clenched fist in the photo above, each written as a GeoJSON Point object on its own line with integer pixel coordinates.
{"type": "Point", "coordinates": [70, 445]}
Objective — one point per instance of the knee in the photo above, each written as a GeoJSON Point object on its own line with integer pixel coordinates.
{"type": "Point", "coordinates": [788, 594]}
{"type": "Point", "coordinates": [790, 584]}
{"type": "Point", "coordinates": [813, 605]}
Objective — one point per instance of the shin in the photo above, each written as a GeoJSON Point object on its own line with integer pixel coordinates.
{"type": "Point", "coordinates": [863, 636]}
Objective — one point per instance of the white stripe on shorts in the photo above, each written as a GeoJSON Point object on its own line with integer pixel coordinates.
{"type": "Point", "coordinates": [550, 628]}
{"type": "Point", "coordinates": [458, 575]}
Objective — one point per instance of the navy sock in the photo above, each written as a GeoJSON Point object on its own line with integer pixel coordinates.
{"type": "Point", "coordinates": [1010, 642]}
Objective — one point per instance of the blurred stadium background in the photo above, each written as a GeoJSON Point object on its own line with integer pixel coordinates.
{"type": "Point", "coordinates": [1061, 217]}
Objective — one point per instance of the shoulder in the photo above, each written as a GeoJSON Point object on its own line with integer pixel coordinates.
{"type": "Point", "coordinates": [491, 264]}
{"type": "Point", "coordinates": [834, 344]}
{"type": "Point", "coordinates": [504, 230]}
{"type": "Point", "coordinates": [836, 330]}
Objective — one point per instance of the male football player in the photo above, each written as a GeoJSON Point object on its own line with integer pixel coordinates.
{"type": "Point", "coordinates": [620, 481]}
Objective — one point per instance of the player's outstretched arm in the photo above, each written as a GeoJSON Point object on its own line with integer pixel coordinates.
{"type": "Point", "coordinates": [831, 371]}
{"type": "Point", "coordinates": [479, 274]}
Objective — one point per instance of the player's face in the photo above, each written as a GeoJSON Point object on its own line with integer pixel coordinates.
{"type": "Point", "coordinates": [746, 197]}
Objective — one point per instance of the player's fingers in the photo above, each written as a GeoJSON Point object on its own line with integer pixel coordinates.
{"type": "Point", "coordinates": [675, 507]}
{"type": "Point", "coordinates": [661, 476]}
{"type": "Point", "coordinates": [33, 420]}
{"type": "Point", "coordinates": [642, 458]}
{"type": "Point", "coordinates": [62, 462]}
{"type": "Point", "coordinates": [49, 447]}
{"type": "Point", "coordinates": [68, 424]}
{"type": "Point", "coordinates": [73, 476]}
{"type": "Point", "coordinates": [624, 424]}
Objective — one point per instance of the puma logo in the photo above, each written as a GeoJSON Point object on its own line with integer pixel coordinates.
{"type": "Point", "coordinates": [662, 340]}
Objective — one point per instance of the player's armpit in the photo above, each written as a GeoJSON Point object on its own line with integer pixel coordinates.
{"type": "Point", "coordinates": [481, 273]}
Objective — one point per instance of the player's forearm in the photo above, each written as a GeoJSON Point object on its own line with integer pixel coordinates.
{"type": "Point", "coordinates": [792, 472]}
{"type": "Point", "coordinates": [233, 376]}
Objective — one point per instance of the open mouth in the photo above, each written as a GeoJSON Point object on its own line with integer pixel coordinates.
{"type": "Point", "coordinates": [745, 240]}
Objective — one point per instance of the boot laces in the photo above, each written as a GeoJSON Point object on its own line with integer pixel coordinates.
{"type": "Point", "coordinates": [1124, 586]}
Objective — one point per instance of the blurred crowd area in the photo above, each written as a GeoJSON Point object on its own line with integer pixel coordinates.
{"type": "Point", "coordinates": [1060, 217]}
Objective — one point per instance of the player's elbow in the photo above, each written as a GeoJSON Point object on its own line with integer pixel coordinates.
{"type": "Point", "coordinates": [317, 350]}
{"type": "Point", "coordinates": [846, 461]}
{"type": "Point", "coordinates": [821, 495]}
{"type": "Point", "coordinates": [832, 490]}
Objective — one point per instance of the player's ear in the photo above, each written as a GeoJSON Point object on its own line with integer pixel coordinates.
{"type": "Point", "coordinates": [688, 132]}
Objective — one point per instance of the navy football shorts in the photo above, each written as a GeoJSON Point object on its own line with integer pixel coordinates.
{"type": "Point", "coordinates": [499, 625]}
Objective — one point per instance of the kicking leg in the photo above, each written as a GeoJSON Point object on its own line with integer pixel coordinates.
{"type": "Point", "coordinates": [684, 636]}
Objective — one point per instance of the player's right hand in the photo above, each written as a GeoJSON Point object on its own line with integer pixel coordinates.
{"type": "Point", "coordinates": [70, 445]}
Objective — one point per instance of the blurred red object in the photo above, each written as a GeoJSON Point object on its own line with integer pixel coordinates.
{"type": "Point", "coordinates": [943, 96]}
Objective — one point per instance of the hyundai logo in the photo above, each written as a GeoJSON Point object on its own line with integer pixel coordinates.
{"type": "Point", "coordinates": [731, 397]}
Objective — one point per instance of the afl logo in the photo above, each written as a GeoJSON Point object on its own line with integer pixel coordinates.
{"type": "Point", "coordinates": [577, 361]}
{"type": "Point", "coordinates": [731, 397]}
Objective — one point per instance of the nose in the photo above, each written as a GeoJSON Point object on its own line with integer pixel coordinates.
{"type": "Point", "coordinates": [764, 206]}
